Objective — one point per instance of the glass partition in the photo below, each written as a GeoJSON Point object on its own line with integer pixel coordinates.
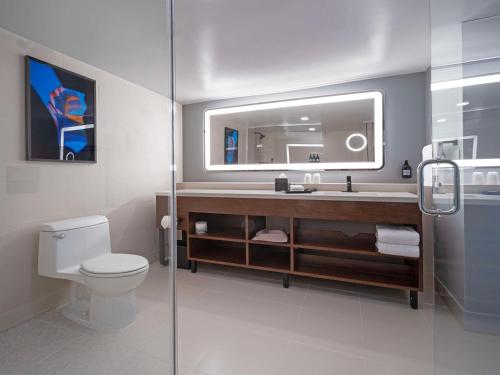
{"type": "Point", "coordinates": [465, 116]}
{"type": "Point", "coordinates": [87, 141]}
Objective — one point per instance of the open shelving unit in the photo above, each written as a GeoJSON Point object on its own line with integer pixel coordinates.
{"type": "Point", "coordinates": [270, 257]}
{"type": "Point", "coordinates": [315, 248]}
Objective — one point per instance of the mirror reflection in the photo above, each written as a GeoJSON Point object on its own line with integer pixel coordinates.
{"type": "Point", "coordinates": [313, 133]}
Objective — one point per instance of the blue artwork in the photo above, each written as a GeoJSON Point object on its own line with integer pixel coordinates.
{"type": "Point", "coordinates": [60, 114]}
{"type": "Point", "coordinates": [230, 146]}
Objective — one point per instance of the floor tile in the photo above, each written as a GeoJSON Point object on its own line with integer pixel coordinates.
{"type": "Point", "coordinates": [394, 331]}
{"type": "Point", "coordinates": [272, 291]}
{"type": "Point", "coordinates": [30, 343]}
{"type": "Point", "coordinates": [233, 321]}
{"type": "Point", "coordinates": [330, 320]}
{"type": "Point", "coordinates": [84, 356]}
{"type": "Point", "coordinates": [303, 359]}
{"type": "Point", "coordinates": [245, 353]}
{"type": "Point", "coordinates": [270, 318]}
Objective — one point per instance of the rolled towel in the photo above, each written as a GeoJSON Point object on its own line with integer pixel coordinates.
{"type": "Point", "coordinates": [271, 235]}
{"type": "Point", "coordinates": [411, 251]}
{"type": "Point", "coordinates": [398, 234]}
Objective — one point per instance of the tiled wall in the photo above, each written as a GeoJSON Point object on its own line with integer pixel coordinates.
{"type": "Point", "coordinates": [133, 152]}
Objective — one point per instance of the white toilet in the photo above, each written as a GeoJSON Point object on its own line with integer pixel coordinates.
{"type": "Point", "coordinates": [80, 250]}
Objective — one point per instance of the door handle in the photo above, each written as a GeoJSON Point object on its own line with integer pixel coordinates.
{"type": "Point", "coordinates": [421, 188]}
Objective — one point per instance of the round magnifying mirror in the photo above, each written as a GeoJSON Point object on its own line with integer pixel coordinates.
{"type": "Point", "coordinates": [356, 142]}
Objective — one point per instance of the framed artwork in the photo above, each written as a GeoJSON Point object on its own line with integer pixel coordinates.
{"type": "Point", "coordinates": [230, 146]}
{"type": "Point", "coordinates": [60, 114]}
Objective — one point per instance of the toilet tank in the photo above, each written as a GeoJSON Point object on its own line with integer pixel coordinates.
{"type": "Point", "coordinates": [65, 244]}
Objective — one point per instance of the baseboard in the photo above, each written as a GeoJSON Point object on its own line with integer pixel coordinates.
{"type": "Point", "coordinates": [449, 299]}
{"type": "Point", "coordinates": [471, 321]}
{"type": "Point", "coordinates": [31, 309]}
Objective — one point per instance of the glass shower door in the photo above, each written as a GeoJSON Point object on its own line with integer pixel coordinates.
{"type": "Point", "coordinates": [465, 91]}
{"type": "Point", "coordinates": [100, 115]}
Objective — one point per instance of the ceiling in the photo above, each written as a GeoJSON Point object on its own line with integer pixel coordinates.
{"type": "Point", "coordinates": [232, 48]}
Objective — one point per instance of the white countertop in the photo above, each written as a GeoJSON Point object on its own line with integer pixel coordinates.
{"type": "Point", "coordinates": [470, 199]}
{"type": "Point", "coordinates": [399, 197]}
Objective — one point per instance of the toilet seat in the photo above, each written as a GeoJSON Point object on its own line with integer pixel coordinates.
{"type": "Point", "coordinates": [114, 265]}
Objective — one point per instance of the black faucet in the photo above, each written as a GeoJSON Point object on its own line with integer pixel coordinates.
{"type": "Point", "coordinates": [349, 184]}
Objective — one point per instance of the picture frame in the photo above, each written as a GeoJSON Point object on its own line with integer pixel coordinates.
{"type": "Point", "coordinates": [61, 118]}
{"type": "Point", "coordinates": [231, 139]}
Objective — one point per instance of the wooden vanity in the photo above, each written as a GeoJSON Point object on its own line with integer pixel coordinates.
{"type": "Point", "coordinates": [331, 234]}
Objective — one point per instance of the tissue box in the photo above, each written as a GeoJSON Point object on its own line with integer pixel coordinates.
{"type": "Point", "coordinates": [281, 184]}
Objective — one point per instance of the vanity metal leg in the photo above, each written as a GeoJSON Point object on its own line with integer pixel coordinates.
{"type": "Point", "coordinates": [194, 266]}
{"type": "Point", "coordinates": [414, 300]}
{"type": "Point", "coordinates": [161, 246]}
{"type": "Point", "coordinates": [286, 280]}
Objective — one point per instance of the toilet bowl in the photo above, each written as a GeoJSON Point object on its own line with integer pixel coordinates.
{"type": "Point", "coordinates": [102, 283]}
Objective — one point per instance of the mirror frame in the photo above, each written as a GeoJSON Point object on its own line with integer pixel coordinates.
{"type": "Point", "coordinates": [378, 138]}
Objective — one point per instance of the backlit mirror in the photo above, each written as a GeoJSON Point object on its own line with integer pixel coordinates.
{"type": "Point", "coordinates": [322, 133]}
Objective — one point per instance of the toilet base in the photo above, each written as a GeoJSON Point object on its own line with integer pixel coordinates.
{"type": "Point", "coordinates": [112, 312]}
{"type": "Point", "coordinates": [100, 312]}
{"type": "Point", "coordinates": [78, 312]}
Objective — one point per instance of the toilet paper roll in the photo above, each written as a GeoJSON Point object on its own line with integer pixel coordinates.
{"type": "Point", "coordinates": [166, 222]}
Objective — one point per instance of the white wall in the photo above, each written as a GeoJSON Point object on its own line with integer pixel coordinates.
{"type": "Point", "coordinates": [126, 37]}
{"type": "Point", "coordinates": [133, 152]}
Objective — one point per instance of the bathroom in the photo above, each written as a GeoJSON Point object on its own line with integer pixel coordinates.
{"type": "Point", "coordinates": [264, 187]}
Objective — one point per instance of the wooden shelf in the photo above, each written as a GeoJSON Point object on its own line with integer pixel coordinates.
{"type": "Point", "coordinates": [322, 267]}
{"type": "Point", "coordinates": [257, 223]}
{"type": "Point", "coordinates": [269, 257]}
{"type": "Point", "coordinates": [277, 244]}
{"type": "Point", "coordinates": [360, 244]}
{"type": "Point", "coordinates": [216, 251]}
{"type": "Point", "coordinates": [221, 227]}
{"type": "Point", "coordinates": [229, 234]}
{"type": "Point", "coordinates": [334, 240]}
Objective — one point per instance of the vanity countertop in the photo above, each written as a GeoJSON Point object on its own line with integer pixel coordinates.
{"type": "Point", "coordinates": [398, 197]}
{"type": "Point", "coordinates": [470, 199]}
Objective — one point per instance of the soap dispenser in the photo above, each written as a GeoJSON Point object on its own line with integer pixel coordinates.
{"type": "Point", "coordinates": [406, 170]}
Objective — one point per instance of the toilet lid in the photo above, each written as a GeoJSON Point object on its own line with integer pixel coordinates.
{"type": "Point", "coordinates": [114, 263]}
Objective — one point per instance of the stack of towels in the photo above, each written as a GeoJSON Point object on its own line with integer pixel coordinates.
{"type": "Point", "coordinates": [271, 235]}
{"type": "Point", "coordinates": [398, 240]}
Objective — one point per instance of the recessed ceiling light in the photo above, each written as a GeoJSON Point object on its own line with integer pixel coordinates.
{"type": "Point", "coordinates": [312, 129]}
{"type": "Point", "coordinates": [462, 104]}
{"type": "Point", "coordinates": [441, 120]}
{"type": "Point", "coordinates": [304, 118]}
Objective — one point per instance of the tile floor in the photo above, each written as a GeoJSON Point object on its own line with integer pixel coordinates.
{"type": "Point", "coordinates": [239, 322]}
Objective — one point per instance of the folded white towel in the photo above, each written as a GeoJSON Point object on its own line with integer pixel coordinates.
{"type": "Point", "coordinates": [271, 235]}
{"type": "Point", "coordinates": [398, 234]}
{"type": "Point", "coordinates": [297, 188]}
{"type": "Point", "coordinates": [401, 250]}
